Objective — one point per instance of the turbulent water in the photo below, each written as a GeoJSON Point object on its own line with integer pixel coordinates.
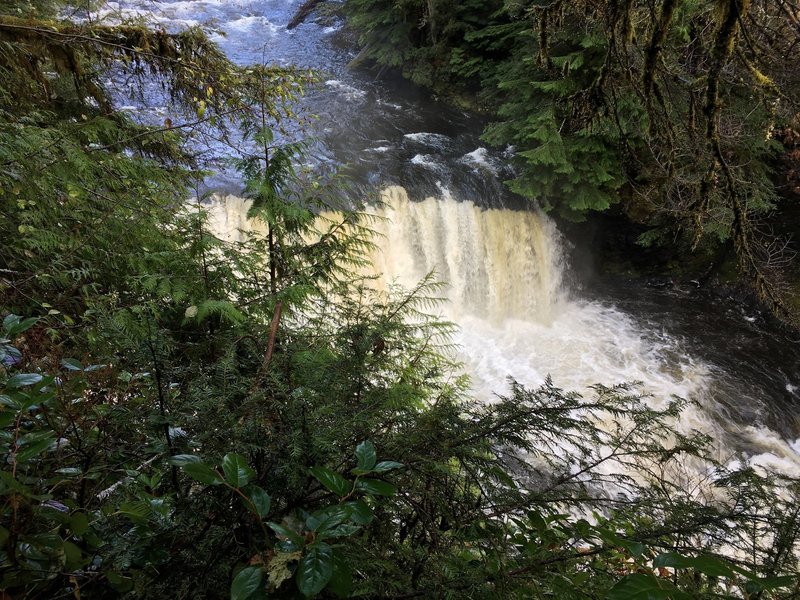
{"type": "Point", "coordinates": [506, 269]}
{"type": "Point", "coordinates": [504, 272]}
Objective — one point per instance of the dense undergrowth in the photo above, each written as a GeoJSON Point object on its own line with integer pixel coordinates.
{"type": "Point", "coordinates": [184, 417]}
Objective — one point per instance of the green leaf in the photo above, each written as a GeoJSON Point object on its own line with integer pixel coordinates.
{"type": "Point", "coordinates": [756, 586]}
{"type": "Point", "coordinates": [645, 587]}
{"type": "Point", "coordinates": [79, 523]}
{"type": "Point", "coordinates": [9, 322]}
{"type": "Point", "coordinates": [20, 326]}
{"type": "Point", "coordinates": [73, 556]}
{"type": "Point", "coordinates": [237, 472]}
{"type": "Point", "coordinates": [71, 364]}
{"type": "Point", "coordinates": [35, 446]}
{"type": "Point", "coordinates": [195, 468]}
{"type": "Point", "coordinates": [246, 583]}
{"type": "Point", "coordinates": [366, 456]}
{"type": "Point", "coordinates": [327, 518]}
{"type": "Point", "coordinates": [119, 582]}
{"type": "Point", "coordinates": [287, 533]}
{"type": "Point", "coordinates": [344, 530]}
{"type": "Point", "coordinates": [375, 487]}
{"type": "Point", "coordinates": [709, 565]}
{"type": "Point", "coordinates": [181, 460]}
{"type": "Point", "coordinates": [260, 499]}
{"type": "Point", "coordinates": [387, 465]}
{"type": "Point", "coordinates": [332, 480]}
{"type": "Point", "coordinates": [23, 379]}
{"type": "Point", "coordinates": [315, 569]}
{"type": "Point", "coordinates": [359, 512]}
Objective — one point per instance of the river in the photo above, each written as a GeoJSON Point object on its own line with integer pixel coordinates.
{"type": "Point", "coordinates": [511, 287]}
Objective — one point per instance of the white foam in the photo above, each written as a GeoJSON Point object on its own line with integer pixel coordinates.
{"type": "Point", "coordinates": [426, 160]}
{"type": "Point", "coordinates": [348, 91]}
{"type": "Point", "coordinates": [436, 140]}
{"type": "Point", "coordinates": [480, 158]}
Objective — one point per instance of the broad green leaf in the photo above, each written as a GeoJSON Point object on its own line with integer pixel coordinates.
{"type": "Point", "coordinates": [9, 322]}
{"type": "Point", "coordinates": [645, 587]}
{"type": "Point", "coordinates": [181, 460]}
{"type": "Point", "coordinates": [69, 471]}
{"type": "Point", "coordinates": [315, 569]}
{"type": "Point", "coordinates": [710, 565]}
{"type": "Point", "coordinates": [260, 499]}
{"type": "Point", "coordinates": [366, 456]}
{"type": "Point", "coordinates": [327, 518]}
{"type": "Point", "coordinates": [73, 556]}
{"type": "Point", "coordinates": [22, 379]}
{"type": "Point", "coordinates": [359, 512]}
{"type": "Point", "coordinates": [34, 446]}
{"type": "Point", "coordinates": [375, 487]}
{"type": "Point", "coordinates": [756, 586]}
{"type": "Point", "coordinates": [285, 532]}
{"type": "Point", "coordinates": [332, 480]}
{"type": "Point", "coordinates": [6, 418]}
{"type": "Point", "coordinates": [21, 326]}
{"type": "Point", "coordinates": [119, 582]}
{"type": "Point", "coordinates": [195, 468]}
{"type": "Point", "coordinates": [343, 530]}
{"type": "Point", "coordinates": [245, 585]}
{"type": "Point", "coordinates": [237, 472]}
{"type": "Point", "coordinates": [79, 523]}
{"type": "Point", "coordinates": [71, 364]}
{"type": "Point", "coordinates": [137, 511]}
{"type": "Point", "coordinates": [387, 465]}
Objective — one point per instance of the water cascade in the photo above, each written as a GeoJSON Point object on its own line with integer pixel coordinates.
{"type": "Point", "coordinates": [503, 272]}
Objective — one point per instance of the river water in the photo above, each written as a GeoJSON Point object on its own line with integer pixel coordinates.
{"type": "Point", "coordinates": [507, 269]}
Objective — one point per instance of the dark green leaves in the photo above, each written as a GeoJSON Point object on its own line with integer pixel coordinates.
{"type": "Point", "coordinates": [645, 587]}
{"type": "Point", "coordinates": [195, 468]}
{"type": "Point", "coordinates": [14, 325]}
{"type": "Point", "coordinates": [375, 487]}
{"type": "Point", "coordinates": [246, 583]}
{"type": "Point", "coordinates": [366, 456]}
{"type": "Point", "coordinates": [386, 465]}
{"type": "Point", "coordinates": [332, 480]}
{"type": "Point", "coordinates": [315, 569]}
{"type": "Point", "coordinates": [260, 499]}
{"type": "Point", "coordinates": [709, 565]}
{"type": "Point", "coordinates": [237, 472]}
{"type": "Point", "coordinates": [23, 379]}
{"type": "Point", "coordinates": [71, 364]}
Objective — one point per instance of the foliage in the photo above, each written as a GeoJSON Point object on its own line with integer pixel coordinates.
{"type": "Point", "coordinates": [678, 110]}
{"type": "Point", "coordinates": [187, 417]}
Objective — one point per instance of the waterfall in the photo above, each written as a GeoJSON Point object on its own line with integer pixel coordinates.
{"type": "Point", "coordinates": [496, 264]}
{"type": "Point", "coordinates": [503, 272]}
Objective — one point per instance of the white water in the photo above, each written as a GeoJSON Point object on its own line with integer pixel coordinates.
{"type": "Point", "coordinates": [504, 271]}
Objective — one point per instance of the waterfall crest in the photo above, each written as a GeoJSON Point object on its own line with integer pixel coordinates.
{"type": "Point", "coordinates": [497, 264]}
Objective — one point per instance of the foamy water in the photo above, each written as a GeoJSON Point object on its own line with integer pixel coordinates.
{"type": "Point", "coordinates": [503, 272]}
